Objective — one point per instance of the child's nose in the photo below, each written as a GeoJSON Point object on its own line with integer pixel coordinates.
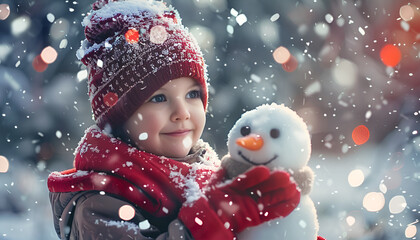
{"type": "Point", "coordinates": [180, 111]}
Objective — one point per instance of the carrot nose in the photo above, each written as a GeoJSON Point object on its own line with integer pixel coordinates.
{"type": "Point", "coordinates": [251, 142]}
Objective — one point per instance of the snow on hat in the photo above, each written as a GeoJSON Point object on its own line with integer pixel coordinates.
{"type": "Point", "coordinates": [132, 48]}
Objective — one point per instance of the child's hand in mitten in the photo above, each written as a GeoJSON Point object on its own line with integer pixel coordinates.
{"type": "Point", "coordinates": [254, 197]}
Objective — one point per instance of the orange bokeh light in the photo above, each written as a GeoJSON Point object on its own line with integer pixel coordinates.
{"type": "Point", "coordinates": [49, 55]}
{"type": "Point", "coordinates": [407, 13]}
{"type": "Point", "coordinates": [132, 36]}
{"type": "Point", "coordinates": [390, 55]}
{"type": "Point", "coordinates": [360, 134]}
{"type": "Point", "coordinates": [38, 64]}
{"type": "Point", "coordinates": [281, 55]}
{"type": "Point", "coordinates": [291, 64]}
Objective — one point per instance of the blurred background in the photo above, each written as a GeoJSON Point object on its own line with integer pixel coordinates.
{"type": "Point", "coordinates": [350, 68]}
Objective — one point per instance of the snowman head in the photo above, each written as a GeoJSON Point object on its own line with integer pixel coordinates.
{"type": "Point", "coordinates": [271, 135]}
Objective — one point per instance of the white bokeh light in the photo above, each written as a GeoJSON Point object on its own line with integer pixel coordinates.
{"type": "Point", "coordinates": [158, 34]}
{"type": "Point", "coordinates": [143, 136]}
{"type": "Point", "coordinates": [397, 204]}
{"type": "Point", "coordinates": [4, 164]}
{"type": "Point", "coordinates": [410, 231]}
{"type": "Point", "coordinates": [350, 220]}
{"type": "Point", "coordinates": [126, 212]}
{"type": "Point", "coordinates": [374, 201]}
{"type": "Point", "coordinates": [356, 178]}
{"type": "Point", "coordinates": [20, 25]}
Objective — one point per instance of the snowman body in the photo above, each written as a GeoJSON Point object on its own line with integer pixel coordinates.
{"type": "Point", "coordinates": [274, 136]}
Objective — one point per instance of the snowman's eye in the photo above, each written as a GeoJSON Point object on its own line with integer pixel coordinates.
{"type": "Point", "coordinates": [275, 133]}
{"type": "Point", "coordinates": [245, 130]}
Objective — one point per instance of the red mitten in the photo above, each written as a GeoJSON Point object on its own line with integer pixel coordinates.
{"type": "Point", "coordinates": [248, 200]}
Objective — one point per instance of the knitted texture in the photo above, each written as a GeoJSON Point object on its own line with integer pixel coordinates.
{"type": "Point", "coordinates": [132, 48]}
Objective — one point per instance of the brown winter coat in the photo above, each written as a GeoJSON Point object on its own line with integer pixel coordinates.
{"type": "Point", "coordinates": [86, 200]}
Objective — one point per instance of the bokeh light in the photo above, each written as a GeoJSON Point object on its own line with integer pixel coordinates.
{"type": "Point", "coordinates": [158, 34]}
{"type": "Point", "coordinates": [397, 204]}
{"type": "Point", "coordinates": [345, 73]}
{"type": "Point", "coordinates": [59, 29]}
{"type": "Point", "coordinates": [390, 55]}
{"type": "Point", "coordinates": [406, 13]}
{"type": "Point", "coordinates": [356, 178]}
{"type": "Point", "coordinates": [38, 64]}
{"type": "Point", "coordinates": [290, 65]}
{"type": "Point", "coordinates": [132, 36]}
{"type": "Point", "coordinates": [4, 164]}
{"type": "Point", "coordinates": [374, 201]}
{"type": "Point", "coordinates": [4, 11]}
{"type": "Point", "coordinates": [350, 220]}
{"type": "Point", "coordinates": [110, 99]}
{"type": "Point", "coordinates": [360, 134]}
{"type": "Point", "coordinates": [281, 55]}
{"type": "Point", "coordinates": [49, 55]}
{"type": "Point", "coordinates": [126, 212]}
{"type": "Point", "coordinates": [20, 25]}
{"type": "Point", "coordinates": [410, 231]}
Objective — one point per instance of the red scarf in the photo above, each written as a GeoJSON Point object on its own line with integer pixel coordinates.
{"type": "Point", "coordinates": [155, 184]}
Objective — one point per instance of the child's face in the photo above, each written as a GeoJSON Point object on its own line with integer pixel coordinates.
{"type": "Point", "coordinates": [171, 121]}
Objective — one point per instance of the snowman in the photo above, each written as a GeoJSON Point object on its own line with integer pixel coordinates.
{"type": "Point", "coordinates": [275, 136]}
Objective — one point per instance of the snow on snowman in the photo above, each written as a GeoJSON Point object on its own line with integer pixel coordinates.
{"type": "Point", "coordinates": [275, 136]}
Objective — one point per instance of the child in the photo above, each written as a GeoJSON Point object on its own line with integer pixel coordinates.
{"type": "Point", "coordinates": [142, 171]}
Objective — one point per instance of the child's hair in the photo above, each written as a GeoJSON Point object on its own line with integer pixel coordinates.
{"type": "Point", "coordinates": [132, 48]}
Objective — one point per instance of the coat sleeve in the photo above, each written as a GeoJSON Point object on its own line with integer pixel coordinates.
{"type": "Point", "coordinates": [96, 216]}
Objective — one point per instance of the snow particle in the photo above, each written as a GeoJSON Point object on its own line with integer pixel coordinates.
{"type": "Point", "coordinates": [144, 225]}
{"type": "Point", "coordinates": [374, 201]}
{"type": "Point", "coordinates": [63, 43]}
{"type": "Point", "coordinates": [362, 31]}
{"type": "Point", "coordinates": [100, 63]}
{"type": "Point", "coordinates": [350, 220]}
{"type": "Point", "coordinates": [50, 17]}
{"type": "Point", "coordinates": [397, 204]}
{"type": "Point", "coordinates": [143, 136]}
{"type": "Point", "coordinates": [158, 34]}
{"type": "Point", "coordinates": [82, 75]}
{"type": "Point", "coordinates": [126, 212]}
{"type": "Point", "coordinates": [302, 224]}
{"type": "Point", "coordinates": [241, 19]}
{"type": "Point", "coordinates": [229, 29]}
{"type": "Point", "coordinates": [4, 164]}
{"type": "Point", "coordinates": [275, 17]}
{"type": "Point", "coordinates": [198, 221]}
{"type": "Point", "coordinates": [329, 18]}
{"type": "Point", "coordinates": [165, 210]}
{"type": "Point", "coordinates": [187, 142]}
{"type": "Point", "coordinates": [227, 225]}
{"type": "Point", "coordinates": [233, 12]}
{"type": "Point", "coordinates": [58, 134]}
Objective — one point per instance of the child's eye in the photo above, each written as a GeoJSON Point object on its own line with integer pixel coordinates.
{"type": "Point", "coordinates": [194, 94]}
{"type": "Point", "coordinates": [158, 98]}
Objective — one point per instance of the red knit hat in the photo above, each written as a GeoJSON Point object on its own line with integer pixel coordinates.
{"type": "Point", "coordinates": [132, 48]}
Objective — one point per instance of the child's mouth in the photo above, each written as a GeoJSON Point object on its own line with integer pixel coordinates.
{"type": "Point", "coordinates": [178, 133]}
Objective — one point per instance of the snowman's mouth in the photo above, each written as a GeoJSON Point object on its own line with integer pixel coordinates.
{"type": "Point", "coordinates": [254, 163]}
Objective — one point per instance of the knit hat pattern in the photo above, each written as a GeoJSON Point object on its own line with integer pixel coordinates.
{"type": "Point", "coordinates": [132, 48]}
